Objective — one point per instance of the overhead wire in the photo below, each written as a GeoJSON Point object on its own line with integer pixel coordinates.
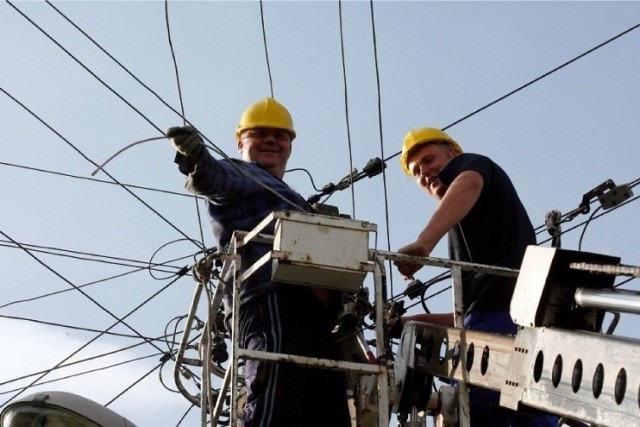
{"type": "Point", "coordinates": [185, 414]}
{"type": "Point", "coordinates": [346, 111]}
{"type": "Point", "coordinates": [86, 178]}
{"type": "Point", "coordinates": [184, 117]}
{"type": "Point", "coordinates": [313, 184]}
{"type": "Point", "coordinates": [67, 281]}
{"type": "Point", "coordinates": [90, 371]}
{"type": "Point", "coordinates": [76, 362]}
{"type": "Point", "coordinates": [79, 328]}
{"type": "Point", "coordinates": [92, 162]}
{"type": "Point", "coordinates": [586, 224]}
{"type": "Point", "coordinates": [136, 382]}
{"type": "Point", "coordinates": [118, 320]}
{"type": "Point", "coordinates": [94, 282]}
{"type": "Point", "coordinates": [49, 294]}
{"type": "Point", "coordinates": [114, 59]}
{"type": "Point", "coordinates": [379, 98]}
{"type": "Point", "coordinates": [93, 74]}
{"type": "Point", "coordinates": [112, 91]}
{"type": "Point", "coordinates": [535, 80]}
{"type": "Point", "coordinates": [94, 257]}
{"type": "Point", "coordinates": [266, 50]}
{"type": "Point", "coordinates": [211, 144]}
{"type": "Point", "coordinates": [626, 202]}
{"type": "Point", "coordinates": [568, 216]}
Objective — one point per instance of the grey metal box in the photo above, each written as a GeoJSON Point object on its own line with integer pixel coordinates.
{"type": "Point", "coordinates": [323, 251]}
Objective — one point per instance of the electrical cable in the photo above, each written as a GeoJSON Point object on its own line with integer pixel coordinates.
{"type": "Point", "coordinates": [97, 336]}
{"type": "Point", "coordinates": [91, 371]}
{"type": "Point", "coordinates": [119, 395]}
{"type": "Point", "coordinates": [384, 175]}
{"type": "Point", "coordinates": [93, 257]}
{"type": "Point", "coordinates": [21, 301]}
{"type": "Point", "coordinates": [313, 184]}
{"type": "Point", "coordinates": [266, 50]}
{"type": "Point", "coordinates": [175, 63]}
{"type": "Point", "coordinates": [77, 362]}
{"type": "Point", "coordinates": [624, 282]}
{"type": "Point", "coordinates": [115, 93]}
{"type": "Point", "coordinates": [80, 64]}
{"type": "Point", "coordinates": [102, 181]}
{"type": "Point", "coordinates": [79, 328]}
{"type": "Point", "coordinates": [184, 117]}
{"type": "Point", "coordinates": [595, 217]}
{"type": "Point", "coordinates": [114, 59]}
{"type": "Point", "coordinates": [586, 224]}
{"type": "Point", "coordinates": [185, 414]}
{"type": "Point", "coordinates": [212, 145]}
{"type": "Point", "coordinates": [158, 251]}
{"type": "Point", "coordinates": [346, 111]}
{"type": "Point", "coordinates": [570, 215]}
{"type": "Point", "coordinates": [103, 164]}
{"type": "Point", "coordinates": [535, 80]}
{"type": "Point", "coordinates": [92, 162]}
{"type": "Point", "coordinates": [60, 276]}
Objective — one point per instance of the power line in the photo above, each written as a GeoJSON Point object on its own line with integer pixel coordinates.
{"type": "Point", "coordinates": [92, 162]}
{"type": "Point", "coordinates": [134, 384]}
{"type": "Point", "coordinates": [103, 308]}
{"type": "Point", "coordinates": [78, 328]}
{"type": "Point", "coordinates": [346, 111]}
{"type": "Point", "coordinates": [91, 371]}
{"type": "Point", "coordinates": [114, 59]}
{"type": "Point", "coordinates": [215, 148]}
{"type": "Point", "coordinates": [184, 117]}
{"type": "Point", "coordinates": [119, 320]}
{"type": "Point", "coordinates": [139, 187]}
{"type": "Point", "coordinates": [626, 202]}
{"type": "Point", "coordinates": [379, 97]}
{"type": "Point", "coordinates": [266, 50]}
{"type": "Point", "coordinates": [548, 73]}
{"type": "Point", "coordinates": [21, 301]}
{"type": "Point", "coordinates": [87, 256]}
{"type": "Point", "coordinates": [77, 362]}
{"type": "Point", "coordinates": [570, 215]}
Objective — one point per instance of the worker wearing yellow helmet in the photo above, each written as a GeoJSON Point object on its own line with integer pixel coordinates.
{"type": "Point", "coordinates": [274, 317]}
{"type": "Point", "coordinates": [479, 208]}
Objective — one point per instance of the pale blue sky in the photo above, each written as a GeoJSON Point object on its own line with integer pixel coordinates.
{"type": "Point", "coordinates": [437, 62]}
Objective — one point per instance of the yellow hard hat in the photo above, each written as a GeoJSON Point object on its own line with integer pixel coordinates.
{"type": "Point", "coordinates": [417, 137]}
{"type": "Point", "coordinates": [267, 113]}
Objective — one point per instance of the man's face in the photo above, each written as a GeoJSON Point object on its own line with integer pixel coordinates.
{"type": "Point", "coordinates": [268, 146]}
{"type": "Point", "coordinates": [426, 162]}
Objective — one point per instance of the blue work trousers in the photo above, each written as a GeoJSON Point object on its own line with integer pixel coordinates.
{"type": "Point", "coordinates": [484, 404]}
{"type": "Point", "coordinates": [291, 321]}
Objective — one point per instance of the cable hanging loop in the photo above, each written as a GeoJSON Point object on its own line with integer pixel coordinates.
{"type": "Point", "coordinates": [99, 168]}
{"type": "Point", "coordinates": [202, 269]}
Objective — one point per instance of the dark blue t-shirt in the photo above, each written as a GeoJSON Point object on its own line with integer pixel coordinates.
{"type": "Point", "coordinates": [496, 231]}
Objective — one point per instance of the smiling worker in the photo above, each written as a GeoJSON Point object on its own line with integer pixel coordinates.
{"type": "Point", "coordinates": [479, 208]}
{"type": "Point", "coordinates": [274, 317]}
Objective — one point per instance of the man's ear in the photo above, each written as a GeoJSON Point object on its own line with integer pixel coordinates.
{"type": "Point", "coordinates": [239, 141]}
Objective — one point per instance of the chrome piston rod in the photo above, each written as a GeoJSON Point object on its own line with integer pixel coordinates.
{"type": "Point", "coordinates": [608, 299]}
